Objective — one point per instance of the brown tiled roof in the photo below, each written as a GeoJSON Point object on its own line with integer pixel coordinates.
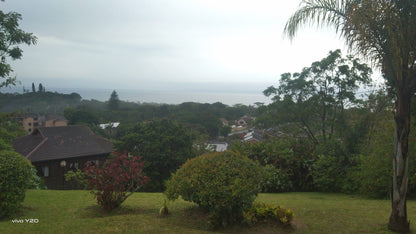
{"type": "Point", "coordinates": [51, 143]}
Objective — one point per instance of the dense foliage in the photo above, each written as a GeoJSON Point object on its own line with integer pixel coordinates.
{"type": "Point", "coordinates": [359, 161]}
{"type": "Point", "coordinates": [79, 116]}
{"type": "Point", "coordinates": [164, 145]}
{"type": "Point", "coordinates": [318, 95]}
{"type": "Point", "coordinates": [38, 102]}
{"type": "Point", "coordinates": [223, 184]}
{"type": "Point", "coordinates": [114, 181]}
{"type": "Point", "coordinates": [10, 128]}
{"type": "Point", "coordinates": [15, 175]}
{"type": "Point", "coordinates": [288, 162]}
{"type": "Point", "coordinates": [373, 172]}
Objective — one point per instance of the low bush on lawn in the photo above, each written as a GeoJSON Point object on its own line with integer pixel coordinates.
{"type": "Point", "coordinates": [263, 213]}
{"type": "Point", "coordinates": [223, 184]}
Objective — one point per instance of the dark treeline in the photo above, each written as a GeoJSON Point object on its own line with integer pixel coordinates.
{"type": "Point", "coordinates": [201, 118]}
{"type": "Point", "coordinates": [38, 102]}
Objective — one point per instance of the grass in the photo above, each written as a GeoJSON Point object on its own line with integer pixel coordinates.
{"type": "Point", "coordinates": [77, 212]}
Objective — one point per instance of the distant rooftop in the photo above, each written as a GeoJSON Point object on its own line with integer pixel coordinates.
{"type": "Point", "coordinates": [53, 143]}
{"type": "Point", "coordinates": [109, 125]}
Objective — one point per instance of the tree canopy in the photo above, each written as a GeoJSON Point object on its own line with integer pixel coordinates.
{"type": "Point", "coordinates": [315, 98]}
{"type": "Point", "coordinates": [384, 32]}
{"type": "Point", "coordinates": [11, 36]}
{"type": "Point", "coordinates": [164, 145]}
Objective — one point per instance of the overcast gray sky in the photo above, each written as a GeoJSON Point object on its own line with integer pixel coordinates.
{"type": "Point", "coordinates": [161, 44]}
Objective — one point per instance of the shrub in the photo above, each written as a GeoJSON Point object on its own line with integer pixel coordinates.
{"type": "Point", "coordinates": [223, 184]}
{"type": "Point", "coordinates": [263, 212]}
{"type": "Point", "coordinates": [114, 181]}
{"type": "Point", "coordinates": [77, 178]}
{"type": "Point", "coordinates": [35, 182]}
{"type": "Point", "coordinates": [15, 172]}
{"type": "Point", "coordinates": [329, 173]}
{"type": "Point", "coordinates": [276, 180]}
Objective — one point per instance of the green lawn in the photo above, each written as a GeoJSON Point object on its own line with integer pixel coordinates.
{"type": "Point", "coordinates": [77, 212]}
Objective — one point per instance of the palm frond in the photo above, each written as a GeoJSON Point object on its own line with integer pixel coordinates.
{"type": "Point", "coordinates": [319, 12]}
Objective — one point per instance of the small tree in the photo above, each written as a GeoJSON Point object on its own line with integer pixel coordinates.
{"type": "Point", "coordinates": [115, 180]}
{"type": "Point", "coordinates": [114, 101]}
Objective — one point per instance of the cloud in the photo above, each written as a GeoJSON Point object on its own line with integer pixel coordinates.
{"type": "Point", "coordinates": [131, 44]}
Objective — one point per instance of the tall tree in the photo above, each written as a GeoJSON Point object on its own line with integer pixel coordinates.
{"type": "Point", "coordinates": [164, 145]}
{"type": "Point", "coordinates": [113, 102]}
{"type": "Point", "coordinates": [318, 95]}
{"type": "Point", "coordinates": [385, 32]}
{"type": "Point", "coordinates": [41, 89]}
{"type": "Point", "coordinates": [10, 37]}
{"type": "Point", "coordinates": [33, 88]}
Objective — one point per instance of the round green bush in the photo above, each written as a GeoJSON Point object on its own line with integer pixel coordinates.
{"type": "Point", "coordinates": [14, 175]}
{"type": "Point", "coordinates": [224, 184]}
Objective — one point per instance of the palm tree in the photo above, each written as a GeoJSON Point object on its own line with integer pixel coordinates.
{"type": "Point", "coordinates": [385, 32]}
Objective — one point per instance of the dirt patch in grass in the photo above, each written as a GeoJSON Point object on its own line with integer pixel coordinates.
{"type": "Point", "coordinates": [298, 226]}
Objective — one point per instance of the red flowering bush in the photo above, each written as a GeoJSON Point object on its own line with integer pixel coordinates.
{"type": "Point", "coordinates": [115, 180]}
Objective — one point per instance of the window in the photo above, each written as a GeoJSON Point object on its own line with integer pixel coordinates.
{"type": "Point", "coordinates": [45, 171]}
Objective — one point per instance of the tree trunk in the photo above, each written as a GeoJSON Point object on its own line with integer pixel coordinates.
{"type": "Point", "coordinates": [398, 217]}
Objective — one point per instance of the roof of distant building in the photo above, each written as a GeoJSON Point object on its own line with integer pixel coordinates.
{"type": "Point", "coordinates": [57, 117]}
{"type": "Point", "coordinates": [255, 135]}
{"type": "Point", "coordinates": [219, 146]}
{"type": "Point", "coordinates": [53, 143]}
{"type": "Point", "coordinates": [111, 125]}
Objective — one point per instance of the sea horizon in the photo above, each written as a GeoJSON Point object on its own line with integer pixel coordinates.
{"type": "Point", "coordinates": [245, 96]}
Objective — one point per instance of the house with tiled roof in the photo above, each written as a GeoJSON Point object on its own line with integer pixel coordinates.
{"type": "Point", "coordinates": [253, 136]}
{"type": "Point", "coordinates": [56, 150]}
{"type": "Point", "coordinates": [32, 121]}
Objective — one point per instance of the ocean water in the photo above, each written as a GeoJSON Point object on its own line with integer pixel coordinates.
{"type": "Point", "coordinates": [228, 97]}
{"type": "Point", "coordinates": [174, 97]}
